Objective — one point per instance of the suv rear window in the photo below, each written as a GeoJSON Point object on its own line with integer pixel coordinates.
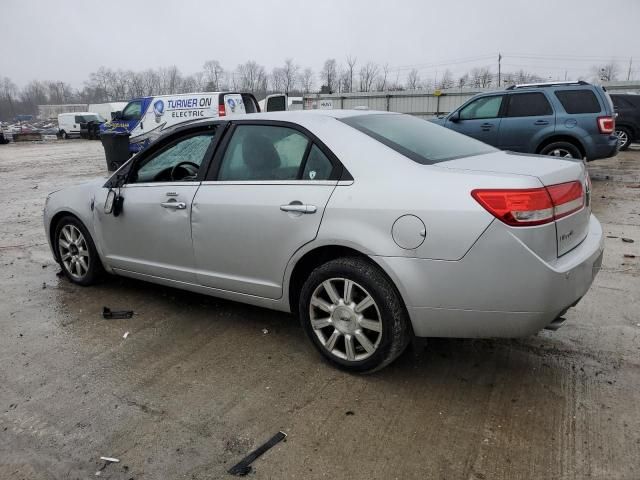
{"type": "Point", "coordinates": [528, 105]}
{"type": "Point", "coordinates": [420, 140]}
{"type": "Point", "coordinates": [578, 101]}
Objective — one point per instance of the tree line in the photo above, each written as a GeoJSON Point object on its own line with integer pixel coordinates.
{"type": "Point", "coordinates": [108, 85]}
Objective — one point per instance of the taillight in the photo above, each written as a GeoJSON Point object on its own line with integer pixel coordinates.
{"type": "Point", "coordinates": [606, 124]}
{"type": "Point", "coordinates": [221, 110]}
{"type": "Point", "coordinates": [532, 206]}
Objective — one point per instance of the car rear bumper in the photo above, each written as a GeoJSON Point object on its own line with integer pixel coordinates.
{"type": "Point", "coordinates": [500, 288]}
{"type": "Point", "coordinates": [606, 147]}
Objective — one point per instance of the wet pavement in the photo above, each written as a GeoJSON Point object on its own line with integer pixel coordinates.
{"type": "Point", "coordinates": [198, 384]}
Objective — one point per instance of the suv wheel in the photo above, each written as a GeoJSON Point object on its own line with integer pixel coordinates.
{"type": "Point", "coordinates": [624, 137]}
{"type": "Point", "coordinates": [561, 149]}
{"type": "Point", "coordinates": [77, 253]}
{"type": "Point", "coordinates": [353, 315]}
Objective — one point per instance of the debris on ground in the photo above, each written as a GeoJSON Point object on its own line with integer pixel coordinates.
{"type": "Point", "coordinates": [629, 255]}
{"type": "Point", "coordinates": [44, 285]}
{"type": "Point", "coordinates": [243, 467]}
{"type": "Point", "coordinates": [611, 236]}
{"type": "Point", "coordinates": [349, 413]}
{"type": "Point", "coordinates": [108, 313]}
{"type": "Point", "coordinates": [60, 274]}
{"type": "Point", "coordinates": [633, 186]}
{"type": "Point", "coordinates": [110, 459]}
{"type": "Point", "coordinates": [265, 331]}
{"type": "Point", "coordinates": [627, 240]}
{"type": "Point", "coordinates": [126, 334]}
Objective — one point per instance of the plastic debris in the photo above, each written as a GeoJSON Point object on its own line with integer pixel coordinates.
{"type": "Point", "coordinates": [627, 240]}
{"type": "Point", "coordinates": [243, 467]}
{"type": "Point", "coordinates": [110, 459]}
{"type": "Point", "coordinates": [265, 331]}
{"type": "Point", "coordinates": [108, 313]}
{"type": "Point", "coordinates": [126, 334]}
{"type": "Point", "coordinates": [629, 255]}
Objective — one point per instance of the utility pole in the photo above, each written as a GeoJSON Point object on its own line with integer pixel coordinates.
{"type": "Point", "coordinates": [629, 72]}
{"type": "Point", "coordinates": [499, 71]}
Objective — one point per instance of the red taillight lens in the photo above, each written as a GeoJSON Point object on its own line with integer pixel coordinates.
{"type": "Point", "coordinates": [221, 110]}
{"type": "Point", "coordinates": [606, 124]}
{"type": "Point", "coordinates": [532, 206]}
{"type": "Point", "coordinates": [567, 198]}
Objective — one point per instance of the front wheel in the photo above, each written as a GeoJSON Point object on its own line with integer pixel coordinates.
{"type": "Point", "coordinates": [624, 138]}
{"type": "Point", "coordinates": [76, 252]}
{"type": "Point", "coordinates": [561, 149]}
{"type": "Point", "coordinates": [353, 315]}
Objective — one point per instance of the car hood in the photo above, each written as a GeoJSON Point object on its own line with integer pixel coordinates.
{"type": "Point", "coordinates": [438, 120]}
{"type": "Point", "coordinates": [91, 184]}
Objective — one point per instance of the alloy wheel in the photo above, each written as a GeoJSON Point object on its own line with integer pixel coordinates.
{"type": "Point", "coordinates": [345, 319]}
{"type": "Point", "coordinates": [623, 138]}
{"type": "Point", "coordinates": [73, 250]}
{"type": "Point", "coordinates": [560, 152]}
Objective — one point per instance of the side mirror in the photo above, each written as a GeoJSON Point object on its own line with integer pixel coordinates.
{"type": "Point", "coordinates": [454, 117]}
{"type": "Point", "coordinates": [113, 203]}
{"type": "Point", "coordinates": [116, 115]}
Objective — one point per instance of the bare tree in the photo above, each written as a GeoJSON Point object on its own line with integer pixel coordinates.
{"type": "Point", "coordinates": [446, 81]}
{"type": "Point", "coordinates": [351, 65]}
{"type": "Point", "coordinates": [607, 72]}
{"type": "Point", "coordinates": [329, 73]}
{"type": "Point", "coordinates": [368, 75]}
{"type": "Point", "coordinates": [251, 76]}
{"type": "Point", "coordinates": [413, 80]}
{"type": "Point", "coordinates": [8, 97]}
{"type": "Point", "coordinates": [277, 79]}
{"type": "Point", "coordinates": [213, 73]}
{"type": "Point", "coordinates": [463, 81]}
{"type": "Point", "coordinates": [290, 75]}
{"type": "Point", "coordinates": [306, 79]}
{"type": "Point", "coordinates": [481, 77]}
{"type": "Point", "coordinates": [381, 80]}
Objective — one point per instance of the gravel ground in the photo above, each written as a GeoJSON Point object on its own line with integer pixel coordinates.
{"type": "Point", "coordinates": [197, 384]}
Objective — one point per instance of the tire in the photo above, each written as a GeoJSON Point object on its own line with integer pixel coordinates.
{"type": "Point", "coordinates": [624, 137]}
{"type": "Point", "coordinates": [377, 332]}
{"type": "Point", "coordinates": [561, 149]}
{"type": "Point", "coordinates": [71, 238]}
{"type": "Point", "coordinates": [64, 135]}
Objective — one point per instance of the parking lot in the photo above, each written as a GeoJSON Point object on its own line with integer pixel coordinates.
{"type": "Point", "coordinates": [200, 382]}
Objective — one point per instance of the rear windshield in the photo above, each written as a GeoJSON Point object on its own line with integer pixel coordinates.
{"type": "Point", "coordinates": [578, 101]}
{"type": "Point", "coordinates": [420, 140]}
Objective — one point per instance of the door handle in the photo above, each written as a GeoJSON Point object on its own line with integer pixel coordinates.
{"type": "Point", "coordinates": [541, 122]}
{"type": "Point", "coordinates": [486, 126]}
{"type": "Point", "coordinates": [174, 205]}
{"type": "Point", "coordinates": [298, 208]}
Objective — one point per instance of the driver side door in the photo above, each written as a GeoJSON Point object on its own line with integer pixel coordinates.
{"type": "Point", "coordinates": [480, 119]}
{"type": "Point", "coordinates": [151, 236]}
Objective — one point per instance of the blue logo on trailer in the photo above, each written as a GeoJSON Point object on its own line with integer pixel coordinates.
{"type": "Point", "coordinates": [232, 104]}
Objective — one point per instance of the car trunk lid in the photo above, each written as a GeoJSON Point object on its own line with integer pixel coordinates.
{"type": "Point", "coordinates": [570, 230]}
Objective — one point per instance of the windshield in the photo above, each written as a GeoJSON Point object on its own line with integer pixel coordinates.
{"type": "Point", "coordinates": [420, 140]}
{"type": "Point", "coordinates": [93, 118]}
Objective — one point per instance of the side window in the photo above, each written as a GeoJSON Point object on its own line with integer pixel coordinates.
{"type": "Point", "coordinates": [528, 105]}
{"type": "Point", "coordinates": [78, 119]}
{"type": "Point", "coordinates": [484, 107]}
{"type": "Point", "coordinates": [318, 166]}
{"type": "Point", "coordinates": [133, 111]}
{"type": "Point", "coordinates": [188, 153]}
{"type": "Point", "coordinates": [578, 101]}
{"type": "Point", "coordinates": [263, 152]}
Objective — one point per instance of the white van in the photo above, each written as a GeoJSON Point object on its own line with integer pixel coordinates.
{"type": "Point", "coordinates": [69, 123]}
{"type": "Point", "coordinates": [106, 109]}
{"type": "Point", "coordinates": [279, 103]}
{"type": "Point", "coordinates": [146, 118]}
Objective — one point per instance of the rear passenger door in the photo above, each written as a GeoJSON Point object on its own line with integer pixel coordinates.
{"type": "Point", "coordinates": [480, 119]}
{"type": "Point", "coordinates": [262, 201]}
{"type": "Point", "coordinates": [528, 119]}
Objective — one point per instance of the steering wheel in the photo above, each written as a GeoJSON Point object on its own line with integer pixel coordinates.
{"type": "Point", "coordinates": [189, 169]}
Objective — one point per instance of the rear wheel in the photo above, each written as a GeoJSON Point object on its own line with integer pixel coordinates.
{"type": "Point", "coordinates": [77, 253]}
{"type": "Point", "coordinates": [561, 149]}
{"type": "Point", "coordinates": [64, 135]}
{"type": "Point", "coordinates": [353, 315]}
{"type": "Point", "coordinates": [624, 137]}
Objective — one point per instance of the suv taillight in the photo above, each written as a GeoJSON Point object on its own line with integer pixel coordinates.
{"type": "Point", "coordinates": [221, 110]}
{"type": "Point", "coordinates": [532, 206]}
{"type": "Point", "coordinates": [606, 124]}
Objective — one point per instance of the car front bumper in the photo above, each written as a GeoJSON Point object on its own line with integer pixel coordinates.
{"type": "Point", "coordinates": [500, 288]}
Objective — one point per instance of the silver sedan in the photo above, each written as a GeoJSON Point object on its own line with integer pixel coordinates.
{"type": "Point", "coordinates": [374, 228]}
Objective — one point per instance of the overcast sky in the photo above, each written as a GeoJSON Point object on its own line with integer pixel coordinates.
{"type": "Point", "coordinates": [66, 40]}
